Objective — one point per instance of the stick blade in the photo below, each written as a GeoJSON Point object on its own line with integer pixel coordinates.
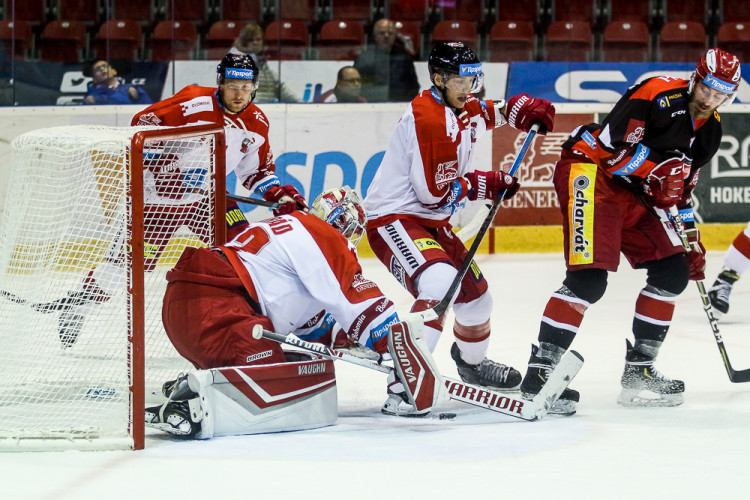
{"type": "Point", "coordinates": [557, 382]}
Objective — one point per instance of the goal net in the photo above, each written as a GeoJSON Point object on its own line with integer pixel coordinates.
{"type": "Point", "coordinates": [94, 219]}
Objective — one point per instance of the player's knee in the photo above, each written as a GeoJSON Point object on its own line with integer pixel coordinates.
{"type": "Point", "coordinates": [435, 281]}
{"type": "Point", "coordinates": [476, 312]}
{"type": "Point", "coordinates": [670, 274]}
{"type": "Point", "coordinates": [587, 284]}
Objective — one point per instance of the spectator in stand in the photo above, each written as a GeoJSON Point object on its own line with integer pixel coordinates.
{"type": "Point", "coordinates": [250, 42]}
{"type": "Point", "coordinates": [387, 68]}
{"type": "Point", "coordinates": [347, 89]}
{"type": "Point", "coordinates": [108, 88]}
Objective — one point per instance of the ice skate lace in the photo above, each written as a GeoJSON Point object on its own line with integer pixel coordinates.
{"type": "Point", "coordinates": [492, 370]}
{"type": "Point", "coordinates": [652, 371]}
{"type": "Point", "coordinates": [722, 290]}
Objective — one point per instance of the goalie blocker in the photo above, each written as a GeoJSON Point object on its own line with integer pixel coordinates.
{"type": "Point", "coordinates": [296, 395]}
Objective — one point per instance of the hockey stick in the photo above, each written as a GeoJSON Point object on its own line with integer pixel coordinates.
{"type": "Point", "coordinates": [12, 297]}
{"type": "Point", "coordinates": [252, 201]}
{"type": "Point", "coordinates": [734, 375]}
{"type": "Point", "coordinates": [442, 306]}
{"type": "Point", "coordinates": [472, 227]}
{"type": "Point", "coordinates": [506, 404]}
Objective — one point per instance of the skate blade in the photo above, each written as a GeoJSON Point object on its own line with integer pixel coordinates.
{"type": "Point", "coordinates": [634, 398]}
{"type": "Point", "coordinates": [398, 412]}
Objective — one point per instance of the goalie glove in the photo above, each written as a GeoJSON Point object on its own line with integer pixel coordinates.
{"type": "Point", "coordinates": [696, 257]}
{"type": "Point", "coordinates": [287, 197]}
{"type": "Point", "coordinates": [664, 185]}
{"type": "Point", "coordinates": [487, 185]}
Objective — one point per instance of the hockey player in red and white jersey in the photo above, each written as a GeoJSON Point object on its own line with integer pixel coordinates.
{"type": "Point", "coordinates": [277, 274]}
{"type": "Point", "coordinates": [425, 176]}
{"type": "Point", "coordinates": [230, 104]}
{"type": "Point", "coordinates": [248, 154]}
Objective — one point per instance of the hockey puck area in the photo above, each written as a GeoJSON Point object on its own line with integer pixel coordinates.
{"type": "Point", "coordinates": [446, 416]}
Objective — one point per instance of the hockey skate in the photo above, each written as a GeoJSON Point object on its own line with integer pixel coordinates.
{"type": "Point", "coordinates": [173, 418]}
{"type": "Point", "coordinates": [718, 294]}
{"type": "Point", "coordinates": [487, 373]}
{"type": "Point", "coordinates": [643, 385]}
{"type": "Point", "coordinates": [536, 376]}
{"type": "Point", "coordinates": [70, 322]}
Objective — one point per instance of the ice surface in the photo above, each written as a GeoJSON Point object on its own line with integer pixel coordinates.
{"type": "Point", "coordinates": [698, 450]}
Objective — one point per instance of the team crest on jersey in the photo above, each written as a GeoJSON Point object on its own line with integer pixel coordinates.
{"type": "Point", "coordinates": [635, 131]}
{"type": "Point", "coordinates": [149, 119]}
{"type": "Point", "coordinates": [446, 172]}
{"type": "Point", "coordinates": [360, 283]}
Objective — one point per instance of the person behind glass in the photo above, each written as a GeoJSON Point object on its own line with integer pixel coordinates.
{"type": "Point", "coordinates": [387, 68]}
{"type": "Point", "coordinates": [251, 42]}
{"type": "Point", "coordinates": [106, 87]}
{"type": "Point", "coordinates": [347, 89]}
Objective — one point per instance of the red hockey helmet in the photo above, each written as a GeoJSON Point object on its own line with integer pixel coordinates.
{"type": "Point", "coordinates": [718, 70]}
{"type": "Point", "coordinates": [342, 208]}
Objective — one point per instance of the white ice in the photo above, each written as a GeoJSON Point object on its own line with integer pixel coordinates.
{"type": "Point", "coordinates": [698, 450]}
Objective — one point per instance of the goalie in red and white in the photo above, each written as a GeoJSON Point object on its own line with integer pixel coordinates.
{"type": "Point", "coordinates": [169, 199]}
{"type": "Point", "coordinates": [277, 274]}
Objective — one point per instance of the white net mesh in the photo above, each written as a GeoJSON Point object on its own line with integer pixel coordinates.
{"type": "Point", "coordinates": [64, 282]}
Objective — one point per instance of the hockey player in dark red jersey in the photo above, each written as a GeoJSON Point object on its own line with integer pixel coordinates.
{"type": "Point", "coordinates": [615, 182]}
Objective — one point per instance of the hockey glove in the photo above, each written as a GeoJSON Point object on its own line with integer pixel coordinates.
{"type": "Point", "coordinates": [664, 185]}
{"type": "Point", "coordinates": [288, 198]}
{"type": "Point", "coordinates": [696, 257]}
{"type": "Point", "coordinates": [487, 185]}
{"type": "Point", "coordinates": [524, 110]}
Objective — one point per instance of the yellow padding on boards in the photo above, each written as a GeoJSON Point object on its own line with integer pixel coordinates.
{"type": "Point", "coordinates": [542, 239]}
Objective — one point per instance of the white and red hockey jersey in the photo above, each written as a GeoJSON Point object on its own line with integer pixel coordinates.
{"type": "Point", "coordinates": [430, 148]}
{"type": "Point", "coordinates": [298, 265]}
{"type": "Point", "coordinates": [248, 151]}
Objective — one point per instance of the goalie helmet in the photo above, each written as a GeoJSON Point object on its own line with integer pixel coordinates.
{"type": "Point", "coordinates": [718, 70]}
{"type": "Point", "coordinates": [238, 67]}
{"type": "Point", "coordinates": [455, 58]}
{"type": "Point", "coordinates": [342, 208]}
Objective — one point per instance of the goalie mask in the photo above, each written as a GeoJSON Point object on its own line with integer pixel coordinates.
{"type": "Point", "coordinates": [458, 65]}
{"type": "Point", "coordinates": [342, 208]}
{"type": "Point", "coordinates": [718, 70]}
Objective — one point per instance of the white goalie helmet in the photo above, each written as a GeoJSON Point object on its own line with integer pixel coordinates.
{"type": "Point", "coordinates": [342, 208]}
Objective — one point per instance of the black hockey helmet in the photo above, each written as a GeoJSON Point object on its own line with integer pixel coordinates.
{"type": "Point", "coordinates": [238, 67]}
{"type": "Point", "coordinates": [455, 58]}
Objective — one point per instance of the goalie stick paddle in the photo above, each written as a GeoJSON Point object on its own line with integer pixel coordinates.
{"type": "Point", "coordinates": [252, 201]}
{"type": "Point", "coordinates": [474, 395]}
{"type": "Point", "coordinates": [736, 376]}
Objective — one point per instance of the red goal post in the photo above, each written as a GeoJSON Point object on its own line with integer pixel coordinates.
{"type": "Point", "coordinates": [109, 206]}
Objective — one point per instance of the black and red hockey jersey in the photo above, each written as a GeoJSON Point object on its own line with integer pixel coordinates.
{"type": "Point", "coordinates": [648, 125]}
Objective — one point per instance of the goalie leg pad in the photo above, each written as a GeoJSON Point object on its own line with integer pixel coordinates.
{"type": "Point", "coordinates": [415, 368]}
{"type": "Point", "coordinates": [300, 394]}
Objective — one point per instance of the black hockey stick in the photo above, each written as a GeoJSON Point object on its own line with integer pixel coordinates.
{"type": "Point", "coordinates": [444, 304]}
{"type": "Point", "coordinates": [489, 399]}
{"type": "Point", "coordinates": [252, 201]}
{"type": "Point", "coordinates": [734, 375]}
{"type": "Point", "coordinates": [12, 297]}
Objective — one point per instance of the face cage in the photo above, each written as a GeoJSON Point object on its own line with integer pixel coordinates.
{"type": "Point", "coordinates": [346, 219]}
